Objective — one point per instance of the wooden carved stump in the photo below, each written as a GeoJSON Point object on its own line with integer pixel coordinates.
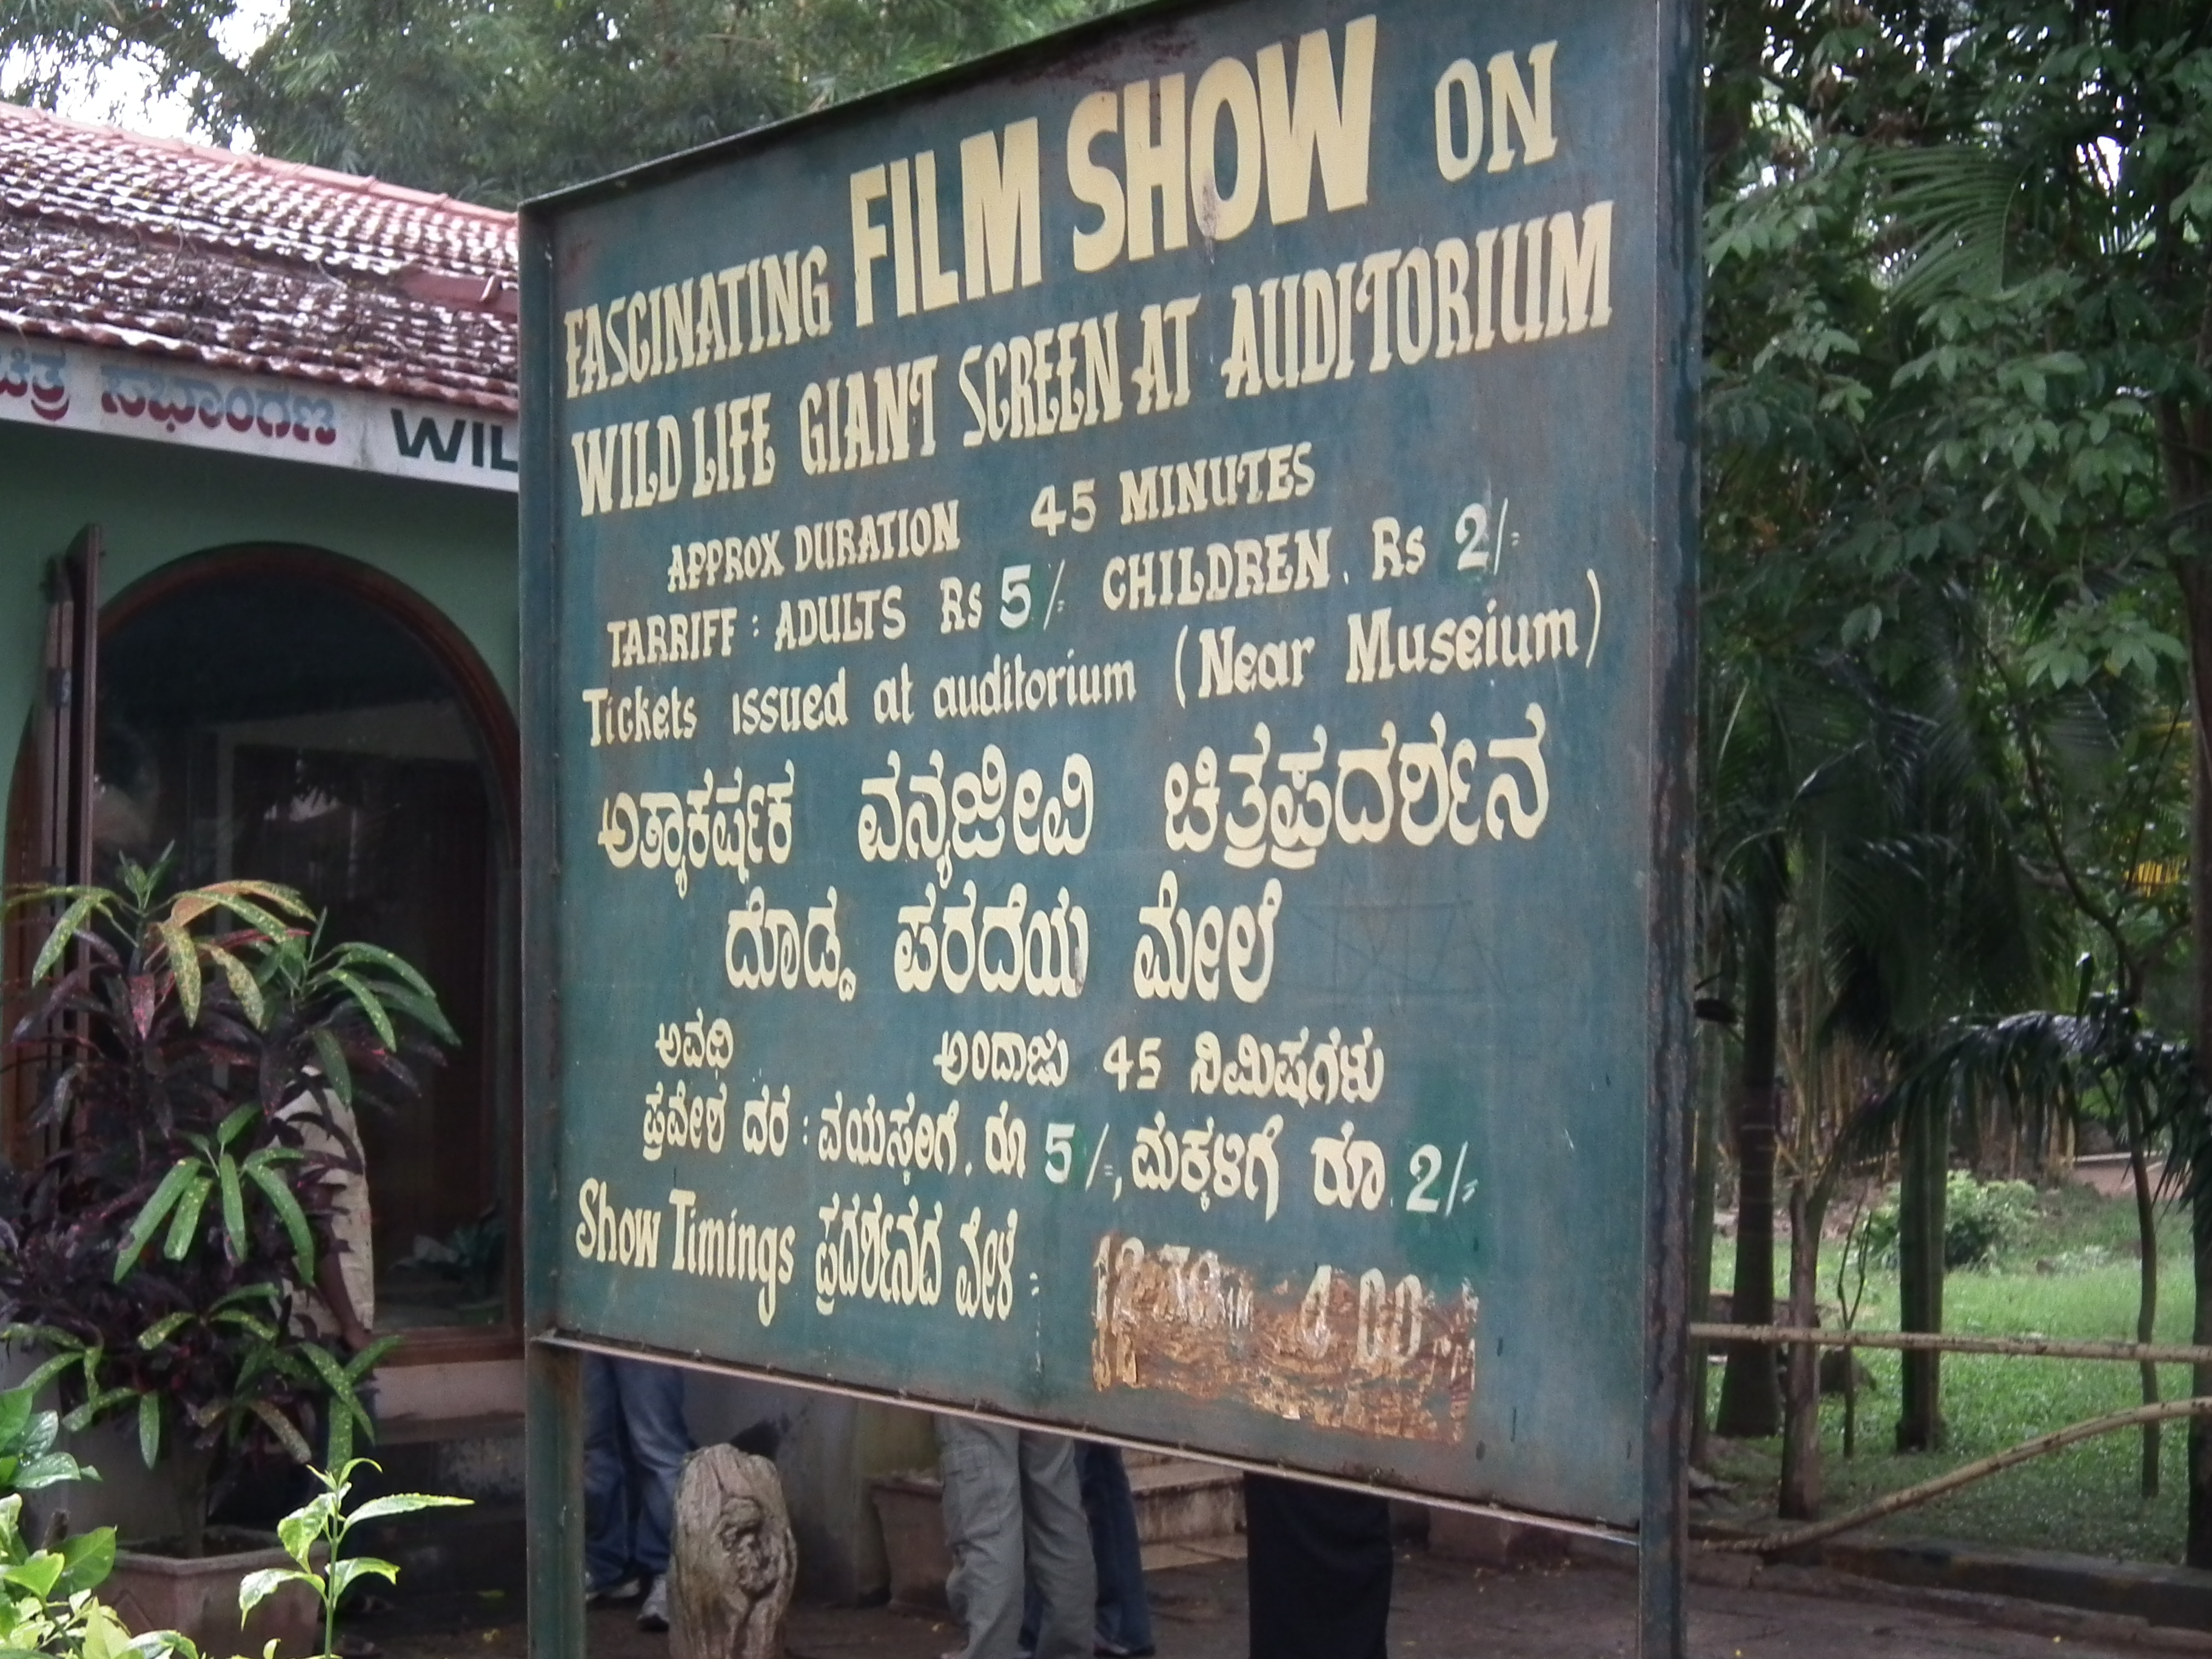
{"type": "Point", "coordinates": [732, 1563]}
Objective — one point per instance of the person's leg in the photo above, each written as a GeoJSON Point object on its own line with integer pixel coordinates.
{"type": "Point", "coordinates": [1125, 1616]}
{"type": "Point", "coordinates": [1318, 1569]}
{"type": "Point", "coordinates": [1032, 1611]}
{"type": "Point", "coordinates": [653, 1424]}
{"type": "Point", "coordinates": [653, 1419]}
{"type": "Point", "coordinates": [1057, 1542]}
{"type": "Point", "coordinates": [981, 1466]}
{"type": "Point", "coordinates": [606, 1496]}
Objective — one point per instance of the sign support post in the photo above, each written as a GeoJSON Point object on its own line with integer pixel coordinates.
{"type": "Point", "coordinates": [1671, 1393]}
{"type": "Point", "coordinates": [553, 1418]}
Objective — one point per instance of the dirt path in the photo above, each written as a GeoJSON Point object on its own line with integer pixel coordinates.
{"type": "Point", "coordinates": [1442, 1610]}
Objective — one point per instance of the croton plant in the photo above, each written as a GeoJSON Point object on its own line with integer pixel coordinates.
{"type": "Point", "coordinates": [159, 1252]}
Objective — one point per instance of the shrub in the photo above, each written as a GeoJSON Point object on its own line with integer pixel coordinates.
{"type": "Point", "coordinates": [1981, 1219]}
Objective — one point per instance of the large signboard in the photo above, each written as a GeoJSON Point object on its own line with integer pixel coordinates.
{"type": "Point", "coordinates": [1112, 695]}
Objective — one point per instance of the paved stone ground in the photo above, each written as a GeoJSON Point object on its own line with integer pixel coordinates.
{"type": "Point", "coordinates": [1442, 1610]}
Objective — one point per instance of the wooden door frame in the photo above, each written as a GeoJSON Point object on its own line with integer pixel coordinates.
{"type": "Point", "coordinates": [49, 807]}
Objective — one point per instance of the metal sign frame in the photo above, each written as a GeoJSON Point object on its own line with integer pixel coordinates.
{"type": "Point", "coordinates": [1670, 174]}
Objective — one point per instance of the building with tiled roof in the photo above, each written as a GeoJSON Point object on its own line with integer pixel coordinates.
{"type": "Point", "coordinates": [258, 605]}
{"type": "Point", "coordinates": [202, 292]}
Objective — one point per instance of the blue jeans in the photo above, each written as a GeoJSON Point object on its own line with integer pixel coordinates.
{"type": "Point", "coordinates": [635, 1443]}
{"type": "Point", "coordinates": [1125, 1617]}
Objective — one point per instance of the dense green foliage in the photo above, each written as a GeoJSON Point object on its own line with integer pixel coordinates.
{"type": "Point", "coordinates": [1955, 301]}
{"type": "Point", "coordinates": [497, 99]}
{"type": "Point", "coordinates": [1958, 487]}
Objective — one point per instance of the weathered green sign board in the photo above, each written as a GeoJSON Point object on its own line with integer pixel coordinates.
{"type": "Point", "coordinates": [1110, 738]}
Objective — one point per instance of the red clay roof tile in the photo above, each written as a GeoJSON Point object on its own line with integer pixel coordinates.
{"type": "Point", "coordinates": [252, 265]}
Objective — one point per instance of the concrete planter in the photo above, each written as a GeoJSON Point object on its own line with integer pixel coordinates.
{"type": "Point", "coordinates": [912, 1509]}
{"type": "Point", "coordinates": [139, 1501]}
{"type": "Point", "coordinates": [200, 1597]}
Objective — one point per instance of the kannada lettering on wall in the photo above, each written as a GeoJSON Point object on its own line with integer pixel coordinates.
{"type": "Point", "coordinates": [88, 389]}
{"type": "Point", "coordinates": [1105, 745]}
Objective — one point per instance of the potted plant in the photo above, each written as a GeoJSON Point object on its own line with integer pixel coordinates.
{"type": "Point", "coordinates": [174, 1258]}
{"type": "Point", "coordinates": [50, 1603]}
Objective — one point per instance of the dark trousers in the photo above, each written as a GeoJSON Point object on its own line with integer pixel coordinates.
{"type": "Point", "coordinates": [1318, 1570]}
{"type": "Point", "coordinates": [1125, 1617]}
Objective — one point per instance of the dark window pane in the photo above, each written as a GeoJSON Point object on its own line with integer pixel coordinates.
{"type": "Point", "coordinates": [285, 730]}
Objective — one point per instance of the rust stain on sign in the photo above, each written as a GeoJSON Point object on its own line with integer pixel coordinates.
{"type": "Point", "coordinates": [1359, 1352]}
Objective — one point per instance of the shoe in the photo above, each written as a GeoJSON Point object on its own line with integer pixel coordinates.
{"type": "Point", "coordinates": [628, 1588]}
{"type": "Point", "coordinates": [1106, 1648]}
{"type": "Point", "coordinates": [653, 1615]}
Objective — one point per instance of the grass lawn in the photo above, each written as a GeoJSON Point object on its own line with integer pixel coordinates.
{"type": "Point", "coordinates": [2077, 1278]}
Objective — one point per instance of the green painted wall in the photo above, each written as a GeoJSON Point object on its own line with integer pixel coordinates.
{"type": "Point", "coordinates": [160, 503]}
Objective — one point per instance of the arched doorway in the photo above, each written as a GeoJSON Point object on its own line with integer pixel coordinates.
{"type": "Point", "coordinates": [288, 714]}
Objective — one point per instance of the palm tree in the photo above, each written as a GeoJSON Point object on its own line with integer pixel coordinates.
{"type": "Point", "coordinates": [1909, 908]}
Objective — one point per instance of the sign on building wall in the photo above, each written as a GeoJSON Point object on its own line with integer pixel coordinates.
{"type": "Point", "coordinates": [165, 400]}
{"type": "Point", "coordinates": [1115, 684]}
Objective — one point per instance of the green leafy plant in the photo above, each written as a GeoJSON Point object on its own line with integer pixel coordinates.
{"type": "Point", "coordinates": [324, 1520]}
{"type": "Point", "coordinates": [46, 1600]}
{"type": "Point", "coordinates": [48, 1604]}
{"type": "Point", "coordinates": [201, 1053]}
{"type": "Point", "coordinates": [1981, 1219]}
